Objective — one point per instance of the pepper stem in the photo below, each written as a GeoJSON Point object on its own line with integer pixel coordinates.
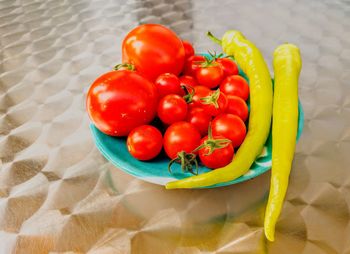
{"type": "Point", "coordinates": [213, 38]}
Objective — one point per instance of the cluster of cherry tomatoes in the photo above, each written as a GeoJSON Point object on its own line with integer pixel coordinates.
{"type": "Point", "coordinates": [199, 109]}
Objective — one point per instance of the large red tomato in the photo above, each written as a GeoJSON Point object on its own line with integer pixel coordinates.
{"type": "Point", "coordinates": [119, 101]}
{"type": "Point", "coordinates": [154, 49]}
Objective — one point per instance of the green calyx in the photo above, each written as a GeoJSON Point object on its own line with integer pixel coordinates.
{"type": "Point", "coordinates": [125, 66]}
{"type": "Point", "coordinates": [212, 99]}
{"type": "Point", "coordinates": [187, 161]}
{"type": "Point", "coordinates": [213, 144]}
{"type": "Point", "coordinates": [189, 93]}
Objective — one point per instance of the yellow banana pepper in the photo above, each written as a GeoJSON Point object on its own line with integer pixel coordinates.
{"type": "Point", "coordinates": [287, 65]}
{"type": "Point", "coordinates": [251, 61]}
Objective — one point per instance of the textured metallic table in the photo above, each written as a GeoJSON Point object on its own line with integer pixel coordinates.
{"type": "Point", "coordinates": [58, 194]}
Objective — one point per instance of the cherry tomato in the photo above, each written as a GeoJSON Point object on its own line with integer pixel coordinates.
{"type": "Point", "coordinates": [153, 49]}
{"type": "Point", "coordinates": [220, 156]}
{"type": "Point", "coordinates": [199, 119]}
{"type": "Point", "coordinates": [119, 101]}
{"type": "Point", "coordinates": [237, 106]}
{"type": "Point", "coordinates": [168, 83]}
{"type": "Point", "coordinates": [180, 137]}
{"type": "Point", "coordinates": [199, 92]}
{"type": "Point", "coordinates": [172, 108]}
{"type": "Point", "coordinates": [144, 142]}
{"type": "Point", "coordinates": [235, 85]}
{"type": "Point", "coordinates": [188, 82]}
{"type": "Point", "coordinates": [210, 75]}
{"type": "Point", "coordinates": [214, 103]}
{"type": "Point", "coordinates": [189, 50]}
{"type": "Point", "coordinates": [229, 67]}
{"type": "Point", "coordinates": [192, 64]}
{"type": "Point", "coordinates": [229, 126]}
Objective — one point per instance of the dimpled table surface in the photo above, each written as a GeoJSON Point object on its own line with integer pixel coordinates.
{"type": "Point", "coordinates": [59, 195]}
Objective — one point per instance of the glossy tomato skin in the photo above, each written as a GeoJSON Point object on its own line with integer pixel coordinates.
{"type": "Point", "coordinates": [153, 49]}
{"type": "Point", "coordinates": [172, 108]}
{"type": "Point", "coordinates": [189, 50]}
{"type": "Point", "coordinates": [199, 92]}
{"type": "Point", "coordinates": [211, 109]}
{"type": "Point", "coordinates": [219, 157]}
{"type": "Point", "coordinates": [228, 66]}
{"type": "Point", "coordinates": [180, 136]}
{"type": "Point", "coordinates": [144, 142]}
{"type": "Point", "coordinates": [192, 64]}
{"type": "Point", "coordinates": [199, 119]}
{"type": "Point", "coordinates": [235, 85]}
{"type": "Point", "coordinates": [237, 106]}
{"type": "Point", "coordinates": [210, 76]}
{"type": "Point", "coordinates": [168, 83]}
{"type": "Point", "coordinates": [229, 126]}
{"type": "Point", "coordinates": [119, 101]}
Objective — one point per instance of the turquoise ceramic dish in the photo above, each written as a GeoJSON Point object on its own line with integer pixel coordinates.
{"type": "Point", "coordinates": [155, 171]}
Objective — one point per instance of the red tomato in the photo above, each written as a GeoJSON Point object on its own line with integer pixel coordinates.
{"type": "Point", "coordinates": [210, 75]}
{"type": "Point", "coordinates": [188, 82]}
{"type": "Point", "coordinates": [119, 101]}
{"type": "Point", "coordinates": [199, 92]}
{"type": "Point", "coordinates": [219, 157]}
{"type": "Point", "coordinates": [180, 137]}
{"type": "Point", "coordinates": [229, 67]}
{"type": "Point", "coordinates": [214, 103]}
{"type": "Point", "coordinates": [237, 106]}
{"type": "Point", "coordinates": [192, 64]}
{"type": "Point", "coordinates": [153, 49]}
{"type": "Point", "coordinates": [199, 119]}
{"type": "Point", "coordinates": [172, 108]}
{"type": "Point", "coordinates": [235, 85]}
{"type": "Point", "coordinates": [189, 50]}
{"type": "Point", "coordinates": [144, 142]}
{"type": "Point", "coordinates": [229, 126]}
{"type": "Point", "coordinates": [168, 83]}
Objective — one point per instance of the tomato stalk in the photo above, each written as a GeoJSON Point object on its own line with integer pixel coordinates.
{"type": "Point", "coordinates": [127, 66]}
{"type": "Point", "coordinates": [212, 99]}
{"type": "Point", "coordinates": [186, 160]}
{"type": "Point", "coordinates": [189, 94]}
{"type": "Point", "coordinates": [213, 144]}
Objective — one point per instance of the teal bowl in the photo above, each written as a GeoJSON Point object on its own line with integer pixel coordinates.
{"type": "Point", "coordinates": [155, 171]}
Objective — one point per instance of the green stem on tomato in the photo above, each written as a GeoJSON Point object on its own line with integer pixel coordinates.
{"type": "Point", "coordinates": [212, 99]}
{"type": "Point", "coordinates": [212, 143]}
{"type": "Point", "coordinates": [187, 160]}
{"type": "Point", "coordinates": [127, 66]}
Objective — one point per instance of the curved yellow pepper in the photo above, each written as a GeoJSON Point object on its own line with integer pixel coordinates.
{"type": "Point", "coordinates": [287, 65]}
{"type": "Point", "coordinates": [251, 61]}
